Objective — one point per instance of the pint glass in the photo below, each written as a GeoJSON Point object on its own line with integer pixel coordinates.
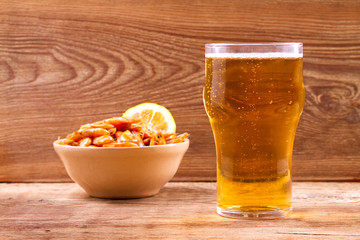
{"type": "Point", "coordinates": [254, 96]}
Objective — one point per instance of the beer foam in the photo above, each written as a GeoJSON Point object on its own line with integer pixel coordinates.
{"type": "Point", "coordinates": [253, 55]}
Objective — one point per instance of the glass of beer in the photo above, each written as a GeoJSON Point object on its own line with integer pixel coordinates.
{"type": "Point", "coordinates": [254, 96]}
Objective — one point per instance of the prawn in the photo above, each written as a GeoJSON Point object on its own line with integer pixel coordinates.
{"type": "Point", "coordinates": [85, 142]}
{"type": "Point", "coordinates": [157, 139]}
{"type": "Point", "coordinates": [64, 141]}
{"type": "Point", "coordinates": [127, 136]}
{"type": "Point", "coordinates": [101, 140]}
{"type": "Point", "coordinates": [94, 132]}
{"type": "Point", "coordinates": [123, 144]}
{"type": "Point", "coordinates": [120, 132]}
{"type": "Point", "coordinates": [102, 124]}
{"type": "Point", "coordinates": [120, 123]}
{"type": "Point", "coordinates": [138, 138]}
{"type": "Point", "coordinates": [179, 139]}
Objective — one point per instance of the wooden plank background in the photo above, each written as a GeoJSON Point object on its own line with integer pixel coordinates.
{"type": "Point", "coordinates": [65, 63]}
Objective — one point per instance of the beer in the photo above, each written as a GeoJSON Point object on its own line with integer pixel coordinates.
{"type": "Point", "coordinates": [254, 102]}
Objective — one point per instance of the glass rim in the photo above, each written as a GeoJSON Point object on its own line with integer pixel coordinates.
{"type": "Point", "coordinates": [255, 50]}
{"type": "Point", "coordinates": [254, 44]}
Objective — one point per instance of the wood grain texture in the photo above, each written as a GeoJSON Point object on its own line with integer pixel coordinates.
{"type": "Point", "coordinates": [63, 64]}
{"type": "Point", "coordinates": [179, 211]}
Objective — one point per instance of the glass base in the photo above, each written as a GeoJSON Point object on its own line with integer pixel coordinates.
{"type": "Point", "coordinates": [254, 212]}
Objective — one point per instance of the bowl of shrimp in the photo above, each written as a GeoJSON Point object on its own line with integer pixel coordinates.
{"type": "Point", "coordinates": [121, 158]}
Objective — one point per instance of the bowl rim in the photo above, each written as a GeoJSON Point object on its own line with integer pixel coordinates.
{"type": "Point", "coordinates": [187, 141]}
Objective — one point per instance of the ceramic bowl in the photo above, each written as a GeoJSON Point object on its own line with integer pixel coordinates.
{"type": "Point", "coordinates": [122, 172]}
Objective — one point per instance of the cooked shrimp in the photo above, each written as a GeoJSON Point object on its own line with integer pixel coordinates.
{"type": "Point", "coordinates": [102, 124]}
{"type": "Point", "coordinates": [127, 137]}
{"type": "Point", "coordinates": [85, 142]}
{"type": "Point", "coordinates": [169, 136]}
{"type": "Point", "coordinates": [101, 140]}
{"type": "Point", "coordinates": [86, 126]}
{"type": "Point", "coordinates": [75, 136]}
{"type": "Point", "coordinates": [109, 145]}
{"type": "Point", "coordinates": [94, 132]}
{"type": "Point", "coordinates": [136, 127]}
{"type": "Point", "coordinates": [147, 141]}
{"type": "Point", "coordinates": [138, 138]}
{"type": "Point", "coordinates": [112, 131]}
{"type": "Point", "coordinates": [157, 139]}
{"type": "Point", "coordinates": [147, 134]}
{"type": "Point", "coordinates": [65, 141]}
{"type": "Point", "coordinates": [126, 144]}
{"type": "Point", "coordinates": [179, 139]}
{"type": "Point", "coordinates": [118, 136]}
{"type": "Point", "coordinates": [123, 144]}
{"type": "Point", "coordinates": [119, 132]}
{"type": "Point", "coordinates": [120, 123]}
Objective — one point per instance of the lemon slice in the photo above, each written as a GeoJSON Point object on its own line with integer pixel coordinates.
{"type": "Point", "coordinates": [154, 116]}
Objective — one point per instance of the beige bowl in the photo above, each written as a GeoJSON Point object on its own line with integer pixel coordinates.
{"type": "Point", "coordinates": [122, 172]}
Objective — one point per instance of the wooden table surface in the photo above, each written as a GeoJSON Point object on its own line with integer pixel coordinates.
{"type": "Point", "coordinates": [182, 210]}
